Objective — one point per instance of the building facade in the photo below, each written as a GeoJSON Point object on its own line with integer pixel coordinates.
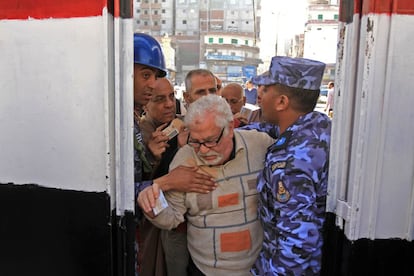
{"type": "Point", "coordinates": [321, 35]}
{"type": "Point", "coordinates": [218, 35]}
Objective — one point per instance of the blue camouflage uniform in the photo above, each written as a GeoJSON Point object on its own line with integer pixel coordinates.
{"type": "Point", "coordinates": [292, 189]}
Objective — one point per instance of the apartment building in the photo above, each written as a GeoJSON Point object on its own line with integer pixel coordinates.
{"type": "Point", "coordinates": [220, 35]}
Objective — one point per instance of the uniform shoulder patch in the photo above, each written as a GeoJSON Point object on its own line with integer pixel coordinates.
{"type": "Point", "coordinates": [283, 140]}
{"type": "Point", "coordinates": [283, 194]}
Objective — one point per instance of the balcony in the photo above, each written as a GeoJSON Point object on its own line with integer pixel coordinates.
{"type": "Point", "coordinates": [224, 58]}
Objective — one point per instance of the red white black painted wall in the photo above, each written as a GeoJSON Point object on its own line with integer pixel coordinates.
{"type": "Point", "coordinates": [66, 165]}
{"type": "Point", "coordinates": [370, 226]}
{"type": "Point", "coordinates": [66, 170]}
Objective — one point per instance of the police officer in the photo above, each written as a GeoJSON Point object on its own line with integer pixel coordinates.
{"type": "Point", "coordinates": [293, 184]}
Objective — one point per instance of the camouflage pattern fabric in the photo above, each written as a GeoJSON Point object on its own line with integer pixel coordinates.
{"type": "Point", "coordinates": [293, 72]}
{"type": "Point", "coordinates": [292, 201]}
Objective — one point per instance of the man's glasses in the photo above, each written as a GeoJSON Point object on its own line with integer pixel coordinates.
{"type": "Point", "coordinates": [207, 144]}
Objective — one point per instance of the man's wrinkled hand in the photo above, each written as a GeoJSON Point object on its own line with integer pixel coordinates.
{"type": "Point", "coordinates": [147, 197]}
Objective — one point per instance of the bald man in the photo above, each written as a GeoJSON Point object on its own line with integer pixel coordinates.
{"type": "Point", "coordinates": [233, 93]}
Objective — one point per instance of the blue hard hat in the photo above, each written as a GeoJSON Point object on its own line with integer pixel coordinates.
{"type": "Point", "coordinates": [147, 51]}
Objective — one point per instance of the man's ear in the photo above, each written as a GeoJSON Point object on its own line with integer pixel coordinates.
{"type": "Point", "coordinates": [230, 127]}
{"type": "Point", "coordinates": [186, 97]}
{"type": "Point", "coordinates": [282, 102]}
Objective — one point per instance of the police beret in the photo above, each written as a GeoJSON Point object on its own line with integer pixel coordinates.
{"type": "Point", "coordinates": [293, 72]}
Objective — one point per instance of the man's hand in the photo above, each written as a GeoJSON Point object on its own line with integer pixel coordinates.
{"type": "Point", "coordinates": [241, 118]}
{"type": "Point", "coordinates": [147, 197]}
{"type": "Point", "coordinates": [183, 136]}
{"type": "Point", "coordinates": [187, 179]}
{"type": "Point", "coordinates": [158, 142]}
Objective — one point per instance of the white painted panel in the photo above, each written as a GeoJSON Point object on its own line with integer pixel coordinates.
{"type": "Point", "coordinates": [53, 103]}
{"type": "Point", "coordinates": [396, 170]}
{"type": "Point", "coordinates": [124, 121]}
{"type": "Point", "coordinates": [342, 126]}
{"type": "Point", "coordinates": [372, 174]}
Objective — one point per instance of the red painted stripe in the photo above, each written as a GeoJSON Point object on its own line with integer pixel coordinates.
{"type": "Point", "coordinates": [357, 6]}
{"type": "Point", "coordinates": [42, 9]}
{"type": "Point", "coordinates": [388, 7]}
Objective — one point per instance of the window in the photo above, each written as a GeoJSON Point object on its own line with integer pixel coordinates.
{"type": "Point", "coordinates": [138, 22]}
{"type": "Point", "coordinates": [233, 41]}
{"type": "Point", "coordinates": [210, 40]}
{"type": "Point", "coordinates": [221, 40]}
{"type": "Point", "coordinates": [246, 42]}
{"type": "Point", "coordinates": [155, 12]}
{"type": "Point", "coordinates": [247, 22]}
{"type": "Point", "coordinates": [320, 16]}
{"type": "Point", "coordinates": [336, 17]}
{"type": "Point", "coordinates": [145, 11]}
{"type": "Point", "coordinates": [155, 23]}
{"type": "Point", "coordinates": [163, 22]}
{"type": "Point", "coordinates": [163, 11]}
{"type": "Point", "coordinates": [138, 10]}
{"type": "Point", "coordinates": [145, 23]}
{"type": "Point", "coordinates": [184, 22]}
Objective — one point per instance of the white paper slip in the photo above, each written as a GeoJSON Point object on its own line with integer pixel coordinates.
{"type": "Point", "coordinates": [160, 204]}
{"type": "Point", "coordinates": [173, 129]}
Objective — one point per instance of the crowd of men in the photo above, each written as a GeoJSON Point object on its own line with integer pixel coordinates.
{"type": "Point", "coordinates": [218, 194]}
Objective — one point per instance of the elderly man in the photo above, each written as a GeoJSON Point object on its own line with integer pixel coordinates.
{"type": "Point", "coordinates": [224, 235]}
{"type": "Point", "coordinates": [233, 93]}
{"type": "Point", "coordinates": [198, 83]}
{"type": "Point", "coordinates": [293, 184]}
{"type": "Point", "coordinates": [159, 111]}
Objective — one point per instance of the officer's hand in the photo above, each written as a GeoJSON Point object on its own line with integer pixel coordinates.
{"type": "Point", "coordinates": [187, 179]}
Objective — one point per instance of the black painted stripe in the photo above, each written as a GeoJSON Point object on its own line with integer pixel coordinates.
{"type": "Point", "coordinates": [46, 231]}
